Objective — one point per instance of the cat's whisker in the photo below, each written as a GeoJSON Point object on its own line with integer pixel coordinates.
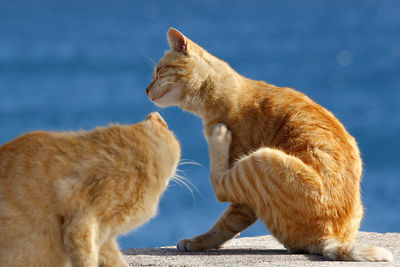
{"type": "Point", "coordinates": [151, 61]}
{"type": "Point", "coordinates": [183, 176]}
{"type": "Point", "coordinates": [162, 85]}
{"type": "Point", "coordinates": [182, 180]}
{"type": "Point", "coordinates": [190, 183]}
{"type": "Point", "coordinates": [178, 179]}
{"type": "Point", "coordinates": [189, 162]}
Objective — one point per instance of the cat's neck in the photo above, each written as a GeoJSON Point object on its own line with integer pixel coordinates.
{"type": "Point", "coordinates": [216, 94]}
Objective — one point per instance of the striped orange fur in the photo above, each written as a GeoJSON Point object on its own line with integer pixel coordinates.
{"type": "Point", "coordinates": [288, 161]}
{"type": "Point", "coordinates": [64, 197]}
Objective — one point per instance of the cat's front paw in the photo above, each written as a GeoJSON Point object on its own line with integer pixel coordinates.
{"type": "Point", "coordinates": [184, 245]}
{"type": "Point", "coordinates": [221, 138]}
{"type": "Point", "coordinates": [194, 244]}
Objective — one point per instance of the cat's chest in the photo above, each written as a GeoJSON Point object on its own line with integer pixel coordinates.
{"type": "Point", "coordinates": [135, 216]}
{"type": "Point", "coordinates": [240, 147]}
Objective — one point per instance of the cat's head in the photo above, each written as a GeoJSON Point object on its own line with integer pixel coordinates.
{"type": "Point", "coordinates": [180, 72]}
{"type": "Point", "coordinates": [164, 146]}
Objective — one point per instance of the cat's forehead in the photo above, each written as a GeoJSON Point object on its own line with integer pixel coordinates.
{"type": "Point", "coordinates": [170, 57]}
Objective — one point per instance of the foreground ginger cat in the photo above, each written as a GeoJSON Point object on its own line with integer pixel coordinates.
{"type": "Point", "coordinates": [291, 162]}
{"type": "Point", "coordinates": [64, 197]}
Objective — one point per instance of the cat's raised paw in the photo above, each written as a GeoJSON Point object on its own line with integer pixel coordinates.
{"type": "Point", "coordinates": [221, 137]}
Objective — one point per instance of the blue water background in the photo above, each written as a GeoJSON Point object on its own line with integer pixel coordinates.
{"type": "Point", "coordinates": [69, 65]}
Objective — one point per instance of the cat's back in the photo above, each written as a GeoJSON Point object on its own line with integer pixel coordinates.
{"type": "Point", "coordinates": [33, 154]}
{"type": "Point", "coordinates": [20, 153]}
{"type": "Point", "coordinates": [44, 154]}
{"type": "Point", "coordinates": [286, 119]}
{"type": "Point", "coordinates": [24, 143]}
{"type": "Point", "coordinates": [297, 122]}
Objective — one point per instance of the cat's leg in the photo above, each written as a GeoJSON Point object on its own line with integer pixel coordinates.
{"type": "Point", "coordinates": [110, 255]}
{"type": "Point", "coordinates": [260, 176]}
{"type": "Point", "coordinates": [282, 190]}
{"type": "Point", "coordinates": [235, 219]}
{"type": "Point", "coordinates": [80, 240]}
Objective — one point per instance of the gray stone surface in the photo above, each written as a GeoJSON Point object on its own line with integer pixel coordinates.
{"type": "Point", "coordinates": [256, 251]}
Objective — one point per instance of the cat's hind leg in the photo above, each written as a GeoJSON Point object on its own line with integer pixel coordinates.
{"type": "Point", "coordinates": [261, 174]}
{"type": "Point", "coordinates": [282, 190]}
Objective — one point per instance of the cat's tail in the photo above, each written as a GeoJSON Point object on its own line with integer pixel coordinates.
{"type": "Point", "coordinates": [333, 250]}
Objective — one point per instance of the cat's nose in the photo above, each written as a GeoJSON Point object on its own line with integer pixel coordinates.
{"type": "Point", "coordinates": [155, 116]}
{"type": "Point", "coordinates": [148, 88]}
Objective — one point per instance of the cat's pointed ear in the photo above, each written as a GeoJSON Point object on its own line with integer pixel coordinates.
{"type": "Point", "coordinates": [177, 41]}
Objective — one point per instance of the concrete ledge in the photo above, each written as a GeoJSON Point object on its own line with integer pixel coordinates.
{"type": "Point", "coordinates": [255, 251]}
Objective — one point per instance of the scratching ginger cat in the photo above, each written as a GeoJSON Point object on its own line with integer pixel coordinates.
{"type": "Point", "coordinates": [64, 197]}
{"type": "Point", "coordinates": [281, 157]}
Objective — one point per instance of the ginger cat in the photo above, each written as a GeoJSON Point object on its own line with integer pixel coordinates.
{"type": "Point", "coordinates": [287, 160]}
{"type": "Point", "coordinates": [64, 197]}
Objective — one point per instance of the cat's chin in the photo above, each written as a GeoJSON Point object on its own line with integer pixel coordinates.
{"type": "Point", "coordinates": [160, 102]}
{"type": "Point", "coordinates": [165, 100]}
{"type": "Point", "coordinates": [162, 105]}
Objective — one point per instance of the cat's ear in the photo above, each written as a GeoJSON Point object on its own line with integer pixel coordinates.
{"type": "Point", "coordinates": [177, 41]}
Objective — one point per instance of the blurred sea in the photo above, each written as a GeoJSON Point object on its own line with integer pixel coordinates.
{"type": "Point", "coordinates": [69, 65]}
